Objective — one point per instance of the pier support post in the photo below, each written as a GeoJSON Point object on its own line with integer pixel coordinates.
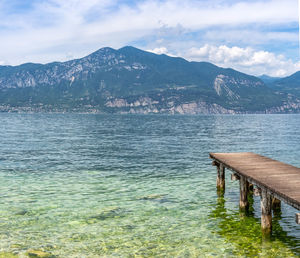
{"type": "Point", "coordinates": [297, 217]}
{"type": "Point", "coordinates": [244, 188]}
{"type": "Point", "coordinates": [251, 188]}
{"type": "Point", "coordinates": [221, 178]}
{"type": "Point", "coordinates": [257, 191]}
{"type": "Point", "coordinates": [235, 177]}
{"type": "Point", "coordinates": [276, 204]}
{"type": "Point", "coordinates": [266, 213]}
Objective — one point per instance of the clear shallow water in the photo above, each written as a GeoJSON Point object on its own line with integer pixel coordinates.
{"type": "Point", "coordinates": [99, 185]}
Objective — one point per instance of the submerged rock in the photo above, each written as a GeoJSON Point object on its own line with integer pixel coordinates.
{"type": "Point", "coordinates": [16, 246]}
{"type": "Point", "coordinates": [22, 212]}
{"type": "Point", "coordinates": [108, 213]}
{"type": "Point", "coordinates": [7, 255]}
{"type": "Point", "coordinates": [128, 227]}
{"type": "Point", "coordinates": [39, 253]}
{"type": "Point", "coordinates": [155, 197]}
{"type": "Point", "coordinates": [152, 197]}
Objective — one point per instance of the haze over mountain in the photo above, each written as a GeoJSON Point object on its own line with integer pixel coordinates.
{"type": "Point", "coordinates": [268, 79]}
{"type": "Point", "coordinates": [129, 80]}
{"type": "Point", "coordinates": [290, 84]}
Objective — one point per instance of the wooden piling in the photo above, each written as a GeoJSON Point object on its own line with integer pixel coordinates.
{"type": "Point", "coordinates": [235, 177]}
{"type": "Point", "coordinates": [257, 191]}
{"type": "Point", "coordinates": [274, 181]}
{"type": "Point", "coordinates": [251, 188]}
{"type": "Point", "coordinates": [244, 189]}
{"type": "Point", "coordinates": [297, 217]}
{"type": "Point", "coordinates": [266, 212]}
{"type": "Point", "coordinates": [221, 178]}
{"type": "Point", "coordinates": [276, 204]}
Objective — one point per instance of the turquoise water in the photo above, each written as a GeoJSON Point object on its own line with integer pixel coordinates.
{"type": "Point", "coordinates": [99, 185]}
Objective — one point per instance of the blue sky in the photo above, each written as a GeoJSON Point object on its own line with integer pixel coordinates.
{"type": "Point", "coordinates": [256, 37]}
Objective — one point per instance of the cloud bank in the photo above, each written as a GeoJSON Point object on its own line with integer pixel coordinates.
{"type": "Point", "coordinates": [245, 59]}
{"type": "Point", "coordinates": [49, 30]}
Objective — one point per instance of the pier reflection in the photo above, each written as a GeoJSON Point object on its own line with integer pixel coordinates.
{"type": "Point", "coordinates": [243, 231]}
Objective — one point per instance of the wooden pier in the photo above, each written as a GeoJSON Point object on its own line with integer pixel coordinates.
{"type": "Point", "coordinates": [274, 181]}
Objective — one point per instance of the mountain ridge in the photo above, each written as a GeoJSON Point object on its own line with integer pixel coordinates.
{"type": "Point", "coordinates": [289, 84]}
{"type": "Point", "coordinates": [130, 80]}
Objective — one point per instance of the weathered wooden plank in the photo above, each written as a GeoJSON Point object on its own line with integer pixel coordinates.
{"type": "Point", "coordinates": [278, 169]}
{"type": "Point", "coordinates": [235, 157]}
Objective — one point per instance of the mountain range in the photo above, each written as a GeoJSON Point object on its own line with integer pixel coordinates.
{"type": "Point", "coordinates": [130, 80]}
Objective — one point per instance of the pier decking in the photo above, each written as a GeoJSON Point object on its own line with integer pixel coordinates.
{"type": "Point", "coordinates": [275, 181]}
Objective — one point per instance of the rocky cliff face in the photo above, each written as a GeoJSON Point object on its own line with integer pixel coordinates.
{"type": "Point", "coordinates": [145, 105]}
{"type": "Point", "coordinates": [130, 80]}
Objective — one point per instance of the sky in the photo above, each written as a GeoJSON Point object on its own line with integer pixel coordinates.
{"type": "Point", "coordinates": [254, 36]}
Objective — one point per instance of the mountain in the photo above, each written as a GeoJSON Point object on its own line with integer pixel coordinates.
{"type": "Point", "coordinates": [129, 80]}
{"type": "Point", "coordinates": [268, 79]}
{"type": "Point", "coordinates": [289, 85]}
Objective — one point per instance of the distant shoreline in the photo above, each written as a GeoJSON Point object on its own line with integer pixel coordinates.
{"type": "Point", "coordinates": [21, 111]}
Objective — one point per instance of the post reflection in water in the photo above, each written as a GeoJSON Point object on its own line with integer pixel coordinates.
{"type": "Point", "coordinates": [242, 229]}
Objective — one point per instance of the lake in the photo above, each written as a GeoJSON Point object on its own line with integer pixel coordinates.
{"type": "Point", "coordinates": [84, 185]}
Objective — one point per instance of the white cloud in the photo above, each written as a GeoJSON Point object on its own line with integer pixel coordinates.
{"type": "Point", "coordinates": [250, 36]}
{"type": "Point", "coordinates": [247, 59]}
{"type": "Point", "coordinates": [54, 28]}
{"type": "Point", "coordinates": [159, 50]}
